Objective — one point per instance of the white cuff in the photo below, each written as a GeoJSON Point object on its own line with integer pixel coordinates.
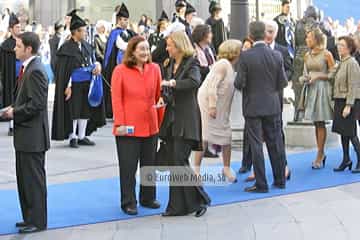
{"type": "Point", "coordinates": [69, 83]}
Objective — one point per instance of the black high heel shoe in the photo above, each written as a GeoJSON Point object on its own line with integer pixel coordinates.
{"type": "Point", "coordinates": [343, 166]}
{"type": "Point", "coordinates": [201, 211]}
{"type": "Point", "coordinates": [322, 165]}
{"type": "Point", "coordinates": [288, 177]}
{"type": "Point", "coordinates": [357, 169]}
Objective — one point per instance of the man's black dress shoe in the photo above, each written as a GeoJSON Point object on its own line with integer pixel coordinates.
{"type": "Point", "coordinates": [130, 210]}
{"type": "Point", "coordinates": [243, 170]}
{"type": "Point", "coordinates": [86, 142]}
{"type": "Point", "coordinates": [153, 205]}
{"type": "Point", "coordinates": [279, 186]}
{"type": "Point", "coordinates": [30, 229]}
{"type": "Point", "coordinates": [254, 189]}
{"type": "Point", "coordinates": [21, 224]}
{"type": "Point", "coordinates": [11, 132]}
{"type": "Point", "coordinates": [168, 214]}
{"type": "Point", "coordinates": [201, 211]}
{"type": "Point", "coordinates": [74, 143]}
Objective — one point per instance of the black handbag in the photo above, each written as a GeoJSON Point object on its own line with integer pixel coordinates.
{"type": "Point", "coordinates": [167, 94]}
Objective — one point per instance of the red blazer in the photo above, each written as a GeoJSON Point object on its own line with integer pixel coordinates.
{"type": "Point", "coordinates": [134, 95]}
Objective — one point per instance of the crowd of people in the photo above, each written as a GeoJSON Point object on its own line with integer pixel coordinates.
{"type": "Point", "coordinates": [169, 93]}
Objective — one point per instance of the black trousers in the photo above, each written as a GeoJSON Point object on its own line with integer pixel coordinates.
{"type": "Point", "coordinates": [247, 159]}
{"type": "Point", "coordinates": [183, 200]}
{"type": "Point", "coordinates": [269, 128]}
{"type": "Point", "coordinates": [31, 183]}
{"type": "Point", "coordinates": [130, 151]}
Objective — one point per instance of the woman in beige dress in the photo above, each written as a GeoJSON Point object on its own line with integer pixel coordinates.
{"type": "Point", "coordinates": [215, 98]}
{"type": "Point", "coordinates": [317, 104]}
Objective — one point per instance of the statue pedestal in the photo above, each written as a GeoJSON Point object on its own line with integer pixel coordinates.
{"type": "Point", "coordinates": [302, 135]}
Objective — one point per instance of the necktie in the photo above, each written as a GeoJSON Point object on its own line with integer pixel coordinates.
{"type": "Point", "coordinates": [21, 73]}
{"type": "Point", "coordinates": [208, 56]}
{"type": "Point", "coordinates": [289, 38]}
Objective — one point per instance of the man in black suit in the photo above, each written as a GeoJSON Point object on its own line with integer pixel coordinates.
{"type": "Point", "coordinates": [271, 31]}
{"type": "Point", "coordinates": [31, 134]}
{"type": "Point", "coordinates": [262, 106]}
{"type": "Point", "coordinates": [54, 44]}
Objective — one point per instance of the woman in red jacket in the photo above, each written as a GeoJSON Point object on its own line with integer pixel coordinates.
{"type": "Point", "coordinates": [135, 93]}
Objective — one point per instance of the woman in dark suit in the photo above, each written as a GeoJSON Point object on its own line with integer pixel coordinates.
{"type": "Point", "coordinates": [181, 128]}
{"type": "Point", "coordinates": [135, 92]}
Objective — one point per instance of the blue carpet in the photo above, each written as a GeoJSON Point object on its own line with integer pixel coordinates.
{"type": "Point", "coordinates": [98, 200]}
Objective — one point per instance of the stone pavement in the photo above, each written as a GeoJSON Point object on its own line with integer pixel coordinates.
{"type": "Point", "coordinates": [326, 214]}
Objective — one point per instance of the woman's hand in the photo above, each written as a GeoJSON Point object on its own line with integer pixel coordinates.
{"type": "Point", "coordinates": [164, 83]}
{"type": "Point", "coordinates": [346, 111]}
{"type": "Point", "coordinates": [171, 83]}
{"type": "Point", "coordinates": [68, 93]}
{"type": "Point", "coordinates": [312, 78]}
{"type": "Point", "coordinates": [97, 69]}
{"type": "Point", "coordinates": [121, 131]}
{"type": "Point", "coordinates": [212, 112]}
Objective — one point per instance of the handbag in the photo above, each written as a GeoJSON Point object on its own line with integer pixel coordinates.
{"type": "Point", "coordinates": [96, 91]}
{"type": "Point", "coordinates": [302, 101]}
{"type": "Point", "coordinates": [167, 93]}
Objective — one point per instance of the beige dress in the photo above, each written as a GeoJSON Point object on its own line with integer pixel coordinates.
{"type": "Point", "coordinates": [217, 91]}
{"type": "Point", "coordinates": [318, 103]}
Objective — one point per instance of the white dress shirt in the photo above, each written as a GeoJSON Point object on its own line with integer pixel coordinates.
{"type": "Point", "coordinates": [27, 62]}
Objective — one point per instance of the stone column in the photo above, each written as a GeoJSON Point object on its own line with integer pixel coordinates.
{"type": "Point", "coordinates": [47, 12]}
{"type": "Point", "coordinates": [239, 30]}
{"type": "Point", "coordinates": [239, 18]}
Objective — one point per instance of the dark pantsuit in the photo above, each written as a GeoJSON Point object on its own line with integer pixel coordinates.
{"type": "Point", "coordinates": [269, 128]}
{"type": "Point", "coordinates": [31, 183]}
{"type": "Point", "coordinates": [130, 151]}
{"type": "Point", "coordinates": [184, 200]}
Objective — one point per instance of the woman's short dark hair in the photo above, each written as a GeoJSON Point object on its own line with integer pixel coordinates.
{"type": "Point", "coordinates": [247, 39]}
{"type": "Point", "coordinates": [350, 43]}
{"type": "Point", "coordinates": [129, 59]}
{"type": "Point", "coordinates": [30, 39]}
{"type": "Point", "coordinates": [200, 32]}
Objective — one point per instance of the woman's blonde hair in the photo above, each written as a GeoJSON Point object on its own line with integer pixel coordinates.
{"type": "Point", "coordinates": [182, 43]}
{"type": "Point", "coordinates": [230, 49]}
{"type": "Point", "coordinates": [319, 37]}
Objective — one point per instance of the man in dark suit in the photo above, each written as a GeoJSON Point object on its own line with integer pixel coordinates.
{"type": "Point", "coordinates": [54, 44]}
{"type": "Point", "coordinates": [31, 134]}
{"type": "Point", "coordinates": [262, 106]}
{"type": "Point", "coordinates": [271, 31]}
